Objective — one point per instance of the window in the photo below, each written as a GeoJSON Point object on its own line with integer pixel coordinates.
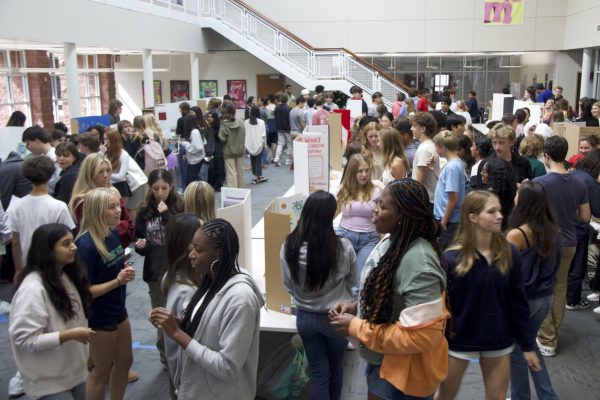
{"type": "Point", "coordinates": [14, 91]}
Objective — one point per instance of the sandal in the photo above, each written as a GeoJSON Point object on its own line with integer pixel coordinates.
{"type": "Point", "coordinates": [254, 181]}
{"type": "Point", "coordinates": [262, 179]}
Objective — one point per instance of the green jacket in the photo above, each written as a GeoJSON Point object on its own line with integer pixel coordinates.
{"type": "Point", "coordinates": [233, 136]}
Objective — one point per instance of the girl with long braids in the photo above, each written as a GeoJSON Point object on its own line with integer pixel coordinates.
{"type": "Point", "coordinates": [487, 299]}
{"type": "Point", "coordinates": [48, 319]}
{"type": "Point", "coordinates": [401, 312]}
{"type": "Point", "coordinates": [218, 336]}
{"type": "Point", "coordinates": [319, 269]}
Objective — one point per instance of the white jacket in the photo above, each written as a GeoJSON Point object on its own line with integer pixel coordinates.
{"type": "Point", "coordinates": [135, 175]}
{"type": "Point", "coordinates": [255, 135]}
{"type": "Point", "coordinates": [47, 367]}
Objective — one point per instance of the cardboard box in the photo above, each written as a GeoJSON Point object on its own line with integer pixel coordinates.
{"type": "Point", "coordinates": [572, 133]}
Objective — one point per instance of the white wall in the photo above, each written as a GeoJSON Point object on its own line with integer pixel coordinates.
{"type": "Point", "coordinates": [219, 66]}
{"type": "Point", "coordinates": [433, 25]}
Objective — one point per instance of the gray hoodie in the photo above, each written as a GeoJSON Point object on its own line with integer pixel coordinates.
{"type": "Point", "coordinates": [222, 359]}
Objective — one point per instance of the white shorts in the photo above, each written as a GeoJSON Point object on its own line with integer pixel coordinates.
{"type": "Point", "coordinates": [476, 355]}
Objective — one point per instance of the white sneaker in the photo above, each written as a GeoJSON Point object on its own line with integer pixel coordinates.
{"type": "Point", "coordinates": [595, 296]}
{"type": "Point", "coordinates": [15, 386]}
{"type": "Point", "coordinates": [547, 351]}
{"type": "Point", "coordinates": [597, 310]}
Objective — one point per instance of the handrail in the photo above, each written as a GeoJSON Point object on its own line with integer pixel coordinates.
{"type": "Point", "coordinates": [315, 49]}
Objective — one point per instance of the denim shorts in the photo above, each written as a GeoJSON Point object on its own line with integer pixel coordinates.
{"type": "Point", "coordinates": [476, 355]}
{"type": "Point", "coordinates": [385, 390]}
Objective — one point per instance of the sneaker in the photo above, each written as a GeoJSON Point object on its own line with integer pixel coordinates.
{"type": "Point", "coordinates": [597, 310]}
{"type": "Point", "coordinates": [594, 296]}
{"type": "Point", "coordinates": [277, 164]}
{"type": "Point", "coordinates": [582, 305]}
{"type": "Point", "coordinates": [262, 179]}
{"type": "Point", "coordinates": [546, 351]}
{"type": "Point", "coordinates": [15, 386]}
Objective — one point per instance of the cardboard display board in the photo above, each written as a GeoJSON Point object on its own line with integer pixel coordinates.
{"type": "Point", "coordinates": [82, 124]}
{"type": "Point", "coordinates": [236, 209]}
{"type": "Point", "coordinates": [336, 145]}
{"type": "Point", "coordinates": [281, 216]}
{"type": "Point", "coordinates": [572, 133]}
{"type": "Point", "coordinates": [10, 140]}
{"type": "Point", "coordinates": [311, 160]}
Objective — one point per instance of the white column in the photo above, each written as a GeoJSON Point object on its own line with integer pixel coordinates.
{"type": "Point", "coordinates": [148, 78]}
{"type": "Point", "coordinates": [586, 69]}
{"type": "Point", "coordinates": [195, 67]}
{"type": "Point", "coordinates": [72, 80]}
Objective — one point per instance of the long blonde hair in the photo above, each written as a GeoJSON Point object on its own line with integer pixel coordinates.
{"type": "Point", "coordinates": [95, 207]}
{"type": "Point", "coordinates": [391, 144]}
{"type": "Point", "coordinates": [199, 199]}
{"type": "Point", "coordinates": [350, 189]}
{"type": "Point", "coordinates": [90, 167]}
{"type": "Point", "coordinates": [152, 126]}
{"type": "Point", "coordinates": [465, 237]}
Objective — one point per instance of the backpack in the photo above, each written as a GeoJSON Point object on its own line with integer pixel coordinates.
{"type": "Point", "coordinates": [150, 156]}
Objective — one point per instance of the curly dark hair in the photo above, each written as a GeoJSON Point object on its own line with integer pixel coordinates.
{"type": "Point", "coordinates": [502, 183]}
{"type": "Point", "coordinates": [416, 221]}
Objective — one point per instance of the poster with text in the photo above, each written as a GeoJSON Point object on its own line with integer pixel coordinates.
{"type": "Point", "coordinates": [503, 12]}
{"type": "Point", "coordinates": [208, 89]}
{"type": "Point", "coordinates": [236, 89]}
{"type": "Point", "coordinates": [180, 91]}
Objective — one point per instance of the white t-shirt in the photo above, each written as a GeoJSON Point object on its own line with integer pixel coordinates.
{"type": "Point", "coordinates": [25, 215]}
{"type": "Point", "coordinates": [425, 152]}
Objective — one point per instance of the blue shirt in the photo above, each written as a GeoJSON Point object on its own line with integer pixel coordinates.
{"type": "Point", "coordinates": [451, 180]}
{"type": "Point", "coordinates": [111, 305]}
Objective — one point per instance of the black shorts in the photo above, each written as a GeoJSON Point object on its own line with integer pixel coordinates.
{"type": "Point", "coordinates": [108, 325]}
{"type": "Point", "coordinates": [271, 138]}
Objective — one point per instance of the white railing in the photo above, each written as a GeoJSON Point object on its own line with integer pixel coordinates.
{"type": "Point", "coordinates": [315, 64]}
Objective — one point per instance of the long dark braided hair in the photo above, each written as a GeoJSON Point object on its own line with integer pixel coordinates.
{"type": "Point", "coordinates": [416, 220]}
{"type": "Point", "coordinates": [222, 237]}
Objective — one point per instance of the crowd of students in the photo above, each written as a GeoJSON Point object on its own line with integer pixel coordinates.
{"type": "Point", "coordinates": [451, 246]}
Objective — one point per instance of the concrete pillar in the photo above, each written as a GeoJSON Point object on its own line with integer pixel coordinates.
{"type": "Point", "coordinates": [195, 67]}
{"type": "Point", "coordinates": [72, 80]}
{"type": "Point", "coordinates": [586, 70]}
{"type": "Point", "coordinates": [148, 78]}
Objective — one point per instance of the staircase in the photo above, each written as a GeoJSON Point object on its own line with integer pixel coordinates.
{"type": "Point", "coordinates": [335, 69]}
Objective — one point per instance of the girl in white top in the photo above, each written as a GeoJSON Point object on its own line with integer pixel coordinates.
{"type": "Point", "coordinates": [395, 163]}
{"type": "Point", "coordinates": [48, 319]}
{"type": "Point", "coordinates": [461, 109]}
{"type": "Point", "coordinates": [194, 149]}
{"type": "Point", "coordinates": [371, 141]}
{"type": "Point", "coordinates": [119, 161]}
{"type": "Point", "coordinates": [255, 143]}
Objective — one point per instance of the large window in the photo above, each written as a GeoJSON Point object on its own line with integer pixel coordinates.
{"type": "Point", "coordinates": [89, 87]}
{"type": "Point", "coordinates": [14, 91]}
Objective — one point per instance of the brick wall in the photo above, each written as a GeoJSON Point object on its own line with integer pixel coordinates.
{"type": "Point", "coordinates": [40, 89]}
{"type": "Point", "coordinates": [107, 82]}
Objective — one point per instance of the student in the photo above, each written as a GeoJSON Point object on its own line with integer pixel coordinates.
{"type": "Point", "coordinates": [395, 163]}
{"type": "Point", "coordinates": [255, 143]}
{"type": "Point", "coordinates": [87, 143]}
{"type": "Point", "coordinates": [17, 118]}
{"type": "Point", "coordinates": [357, 200]}
{"type": "Point", "coordinates": [209, 146]}
{"type": "Point", "coordinates": [49, 317]}
{"type": "Point", "coordinates": [232, 134]}
{"type": "Point", "coordinates": [216, 174]}
{"type": "Point", "coordinates": [119, 161]}
{"type": "Point", "coordinates": [131, 142]}
{"type": "Point", "coordinates": [115, 107]}
{"type": "Point", "coordinates": [199, 200]}
{"type": "Point", "coordinates": [487, 299]}
{"type": "Point", "coordinates": [404, 127]}
{"type": "Point", "coordinates": [35, 209]}
{"type": "Point", "coordinates": [194, 147]}
{"type": "Point", "coordinates": [57, 137]}
{"type": "Point", "coordinates": [319, 269]}
{"type": "Point", "coordinates": [568, 197]}
{"type": "Point", "coordinates": [531, 148]}
{"type": "Point", "coordinates": [162, 203]}
{"type": "Point", "coordinates": [534, 232]}
{"type": "Point", "coordinates": [456, 124]}
{"type": "Point", "coordinates": [424, 128]}
{"type": "Point", "coordinates": [480, 149]}
{"type": "Point", "coordinates": [69, 160]}
{"type": "Point", "coordinates": [398, 104]}
{"type": "Point", "coordinates": [369, 135]}
{"type": "Point", "coordinates": [496, 176]}
{"type": "Point", "coordinates": [37, 141]}
{"type": "Point", "coordinates": [464, 152]}
{"type": "Point", "coordinates": [321, 115]}
{"type": "Point", "coordinates": [95, 172]}
{"type": "Point", "coordinates": [177, 280]}
{"type": "Point", "coordinates": [218, 336]}
{"type": "Point", "coordinates": [400, 313]}
{"type": "Point", "coordinates": [284, 137]}
{"type": "Point", "coordinates": [100, 249]}
{"type": "Point", "coordinates": [450, 188]}
{"type": "Point", "coordinates": [184, 109]}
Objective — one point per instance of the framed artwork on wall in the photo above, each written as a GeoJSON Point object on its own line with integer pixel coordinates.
{"type": "Point", "coordinates": [157, 92]}
{"type": "Point", "coordinates": [180, 91]}
{"type": "Point", "coordinates": [236, 89]}
{"type": "Point", "coordinates": [208, 88]}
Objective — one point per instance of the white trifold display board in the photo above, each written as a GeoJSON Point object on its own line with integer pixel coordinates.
{"type": "Point", "coordinates": [536, 110]}
{"type": "Point", "coordinates": [236, 208]}
{"type": "Point", "coordinates": [311, 160]}
{"type": "Point", "coordinates": [10, 140]}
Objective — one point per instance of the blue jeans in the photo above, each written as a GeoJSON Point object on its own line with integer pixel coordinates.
{"type": "Point", "coordinates": [385, 390]}
{"type": "Point", "coordinates": [325, 350]}
{"type": "Point", "coordinates": [182, 165]}
{"type": "Point", "coordinates": [76, 393]}
{"type": "Point", "coordinates": [363, 243]}
{"type": "Point", "coordinates": [204, 168]}
{"type": "Point", "coordinates": [578, 268]}
{"type": "Point", "coordinates": [519, 377]}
